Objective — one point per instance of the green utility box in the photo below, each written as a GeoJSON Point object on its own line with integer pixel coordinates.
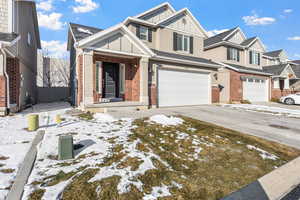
{"type": "Point", "coordinates": [65, 147]}
{"type": "Point", "coordinates": [33, 122]}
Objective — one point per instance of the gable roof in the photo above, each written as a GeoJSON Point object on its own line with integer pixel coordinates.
{"type": "Point", "coordinates": [218, 38]}
{"type": "Point", "coordinates": [248, 41]}
{"type": "Point", "coordinates": [296, 61]}
{"type": "Point", "coordinates": [274, 54]}
{"type": "Point", "coordinates": [187, 12]}
{"type": "Point", "coordinates": [80, 32]}
{"type": "Point", "coordinates": [119, 27]}
{"type": "Point", "coordinates": [166, 4]}
{"type": "Point", "coordinates": [296, 69]}
{"type": "Point", "coordinates": [248, 70]}
{"type": "Point", "coordinates": [276, 70]}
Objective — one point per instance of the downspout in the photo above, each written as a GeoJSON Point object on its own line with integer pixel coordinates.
{"type": "Point", "coordinates": [6, 77]}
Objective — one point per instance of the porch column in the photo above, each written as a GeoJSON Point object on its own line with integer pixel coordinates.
{"type": "Point", "coordinates": [144, 97]}
{"type": "Point", "coordinates": [88, 77]}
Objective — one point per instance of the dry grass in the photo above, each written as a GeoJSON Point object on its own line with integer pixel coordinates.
{"type": "Point", "coordinates": [37, 194]}
{"type": "Point", "coordinates": [7, 171]}
{"type": "Point", "coordinates": [209, 162]}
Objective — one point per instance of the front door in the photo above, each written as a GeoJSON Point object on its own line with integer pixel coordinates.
{"type": "Point", "coordinates": [111, 80]}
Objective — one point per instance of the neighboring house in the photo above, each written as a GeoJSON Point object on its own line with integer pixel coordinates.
{"type": "Point", "coordinates": [242, 76]}
{"type": "Point", "coordinates": [53, 72]}
{"type": "Point", "coordinates": [154, 58]}
{"type": "Point", "coordinates": [284, 73]}
{"type": "Point", "coordinates": [19, 41]}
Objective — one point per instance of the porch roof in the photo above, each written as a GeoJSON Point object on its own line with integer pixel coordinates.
{"type": "Point", "coordinates": [247, 70]}
{"type": "Point", "coordinates": [276, 70]}
{"type": "Point", "coordinates": [178, 57]}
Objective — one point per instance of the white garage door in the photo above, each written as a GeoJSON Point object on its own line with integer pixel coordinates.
{"type": "Point", "coordinates": [180, 88]}
{"type": "Point", "coordinates": [255, 90]}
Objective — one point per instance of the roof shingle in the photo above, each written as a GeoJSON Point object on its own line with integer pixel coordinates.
{"type": "Point", "coordinates": [275, 69]}
{"type": "Point", "coordinates": [8, 37]}
{"type": "Point", "coordinates": [274, 54]}
{"type": "Point", "coordinates": [80, 31]}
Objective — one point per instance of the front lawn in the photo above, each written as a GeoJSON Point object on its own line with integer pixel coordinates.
{"type": "Point", "coordinates": [157, 158]}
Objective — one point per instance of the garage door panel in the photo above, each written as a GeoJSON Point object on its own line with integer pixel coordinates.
{"type": "Point", "coordinates": [255, 91]}
{"type": "Point", "coordinates": [179, 88]}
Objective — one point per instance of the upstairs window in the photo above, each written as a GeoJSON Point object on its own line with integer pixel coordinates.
{"type": "Point", "coordinates": [233, 54]}
{"type": "Point", "coordinates": [254, 58]}
{"type": "Point", "coordinates": [144, 33]}
{"type": "Point", "coordinates": [183, 43]}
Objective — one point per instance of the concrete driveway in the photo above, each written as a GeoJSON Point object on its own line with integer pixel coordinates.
{"type": "Point", "coordinates": [275, 128]}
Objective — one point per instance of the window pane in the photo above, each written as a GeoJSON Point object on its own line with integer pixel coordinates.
{"type": "Point", "coordinates": [179, 42]}
{"type": "Point", "coordinates": [143, 33]}
{"type": "Point", "coordinates": [186, 43]}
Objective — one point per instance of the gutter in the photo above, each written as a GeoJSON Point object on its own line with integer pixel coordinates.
{"type": "Point", "coordinates": [244, 70]}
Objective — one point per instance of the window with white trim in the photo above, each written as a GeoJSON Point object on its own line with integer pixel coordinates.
{"type": "Point", "coordinates": [233, 54]}
{"type": "Point", "coordinates": [183, 43]}
{"type": "Point", "coordinates": [99, 77]}
{"type": "Point", "coordinates": [122, 78]}
{"type": "Point", "coordinates": [254, 58]}
{"type": "Point", "coordinates": [144, 33]}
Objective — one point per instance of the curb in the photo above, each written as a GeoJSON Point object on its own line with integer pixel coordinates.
{"type": "Point", "coordinates": [24, 171]}
{"type": "Point", "coordinates": [278, 184]}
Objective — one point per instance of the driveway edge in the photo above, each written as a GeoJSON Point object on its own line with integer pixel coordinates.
{"type": "Point", "coordinates": [24, 171]}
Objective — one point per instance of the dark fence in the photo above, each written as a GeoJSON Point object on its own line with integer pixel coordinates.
{"type": "Point", "coordinates": [53, 94]}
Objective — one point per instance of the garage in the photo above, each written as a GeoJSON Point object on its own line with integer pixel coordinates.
{"type": "Point", "coordinates": [182, 88]}
{"type": "Point", "coordinates": [255, 89]}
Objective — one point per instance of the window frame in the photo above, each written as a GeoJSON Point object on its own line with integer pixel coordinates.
{"type": "Point", "coordinates": [233, 54]}
{"type": "Point", "coordinates": [144, 34]}
{"type": "Point", "coordinates": [255, 57]}
{"type": "Point", "coordinates": [183, 43]}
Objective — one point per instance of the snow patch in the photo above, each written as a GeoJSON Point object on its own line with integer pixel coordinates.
{"type": "Point", "coordinates": [158, 192]}
{"type": "Point", "coordinates": [166, 121]}
{"type": "Point", "coordinates": [101, 117]}
{"type": "Point", "coordinates": [264, 154]}
{"type": "Point", "coordinates": [82, 30]}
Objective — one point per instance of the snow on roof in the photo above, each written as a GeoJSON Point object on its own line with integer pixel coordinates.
{"type": "Point", "coordinates": [82, 30]}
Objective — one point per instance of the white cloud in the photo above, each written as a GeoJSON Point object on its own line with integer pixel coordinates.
{"type": "Point", "coordinates": [287, 10]}
{"type": "Point", "coordinates": [216, 32]}
{"type": "Point", "coordinates": [84, 6]}
{"type": "Point", "coordinates": [55, 48]}
{"type": "Point", "coordinates": [255, 20]}
{"type": "Point", "coordinates": [45, 5]}
{"type": "Point", "coordinates": [294, 38]}
{"type": "Point", "coordinates": [51, 21]}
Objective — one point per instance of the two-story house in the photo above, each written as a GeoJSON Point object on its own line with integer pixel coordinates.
{"type": "Point", "coordinates": [285, 74]}
{"type": "Point", "coordinates": [19, 41]}
{"type": "Point", "coordinates": [242, 76]}
{"type": "Point", "coordinates": [155, 58]}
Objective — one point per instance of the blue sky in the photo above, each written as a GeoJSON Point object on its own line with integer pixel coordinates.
{"type": "Point", "coordinates": [276, 22]}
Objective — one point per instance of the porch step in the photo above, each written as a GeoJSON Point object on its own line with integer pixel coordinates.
{"type": "Point", "coordinates": [115, 106]}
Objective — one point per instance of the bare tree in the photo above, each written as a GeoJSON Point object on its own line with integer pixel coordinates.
{"type": "Point", "coordinates": [53, 72]}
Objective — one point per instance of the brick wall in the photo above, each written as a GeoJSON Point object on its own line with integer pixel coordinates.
{"type": "Point", "coordinates": [3, 16]}
{"type": "Point", "coordinates": [2, 91]}
{"type": "Point", "coordinates": [13, 71]}
{"type": "Point", "coordinates": [277, 93]}
{"type": "Point", "coordinates": [152, 95]}
{"type": "Point", "coordinates": [215, 94]}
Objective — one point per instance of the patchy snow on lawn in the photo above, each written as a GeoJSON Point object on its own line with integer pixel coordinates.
{"type": "Point", "coordinates": [266, 109]}
{"type": "Point", "coordinates": [265, 155]}
{"type": "Point", "coordinates": [157, 192]}
{"type": "Point", "coordinates": [166, 121]}
{"type": "Point", "coordinates": [15, 141]}
{"type": "Point", "coordinates": [99, 137]}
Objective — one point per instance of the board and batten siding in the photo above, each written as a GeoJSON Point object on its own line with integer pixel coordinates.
{"type": "Point", "coordinates": [3, 16]}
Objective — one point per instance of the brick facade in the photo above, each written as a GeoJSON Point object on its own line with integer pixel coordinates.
{"type": "Point", "coordinates": [152, 95]}
{"type": "Point", "coordinates": [13, 71]}
{"type": "Point", "coordinates": [215, 94]}
{"type": "Point", "coordinates": [3, 91]}
{"type": "Point", "coordinates": [236, 85]}
{"type": "Point", "coordinates": [277, 93]}
{"type": "Point", "coordinates": [132, 77]}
